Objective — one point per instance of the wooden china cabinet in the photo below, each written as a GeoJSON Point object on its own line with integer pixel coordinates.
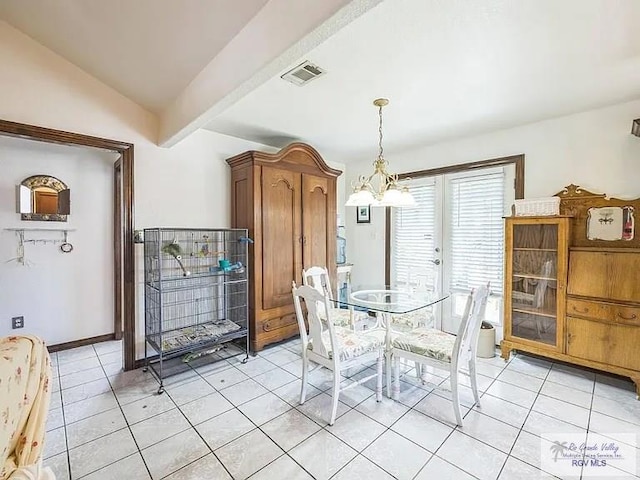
{"type": "Point", "coordinates": [287, 200]}
{"type": "Point", "coordinates": [572, 284]}
{"type": "Point", "coordinates": [535, 282]}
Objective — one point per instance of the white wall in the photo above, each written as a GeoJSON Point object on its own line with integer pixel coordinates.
{"type": "Point", "coordinates": [187, 185]}
{"type": "Point", "coordinates": [63, 296]}
{"type": "Point", "coordinates": [593, 149]}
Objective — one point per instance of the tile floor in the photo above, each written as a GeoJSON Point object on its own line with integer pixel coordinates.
{"type": "Point", "coordinates": [226, 420]}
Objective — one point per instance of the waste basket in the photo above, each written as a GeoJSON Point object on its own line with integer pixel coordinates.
{"type": "Point", "coordinates": [487, 341]}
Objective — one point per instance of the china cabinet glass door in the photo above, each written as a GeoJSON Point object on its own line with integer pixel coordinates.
{"type": "Point", "coordinates": [534, 283]}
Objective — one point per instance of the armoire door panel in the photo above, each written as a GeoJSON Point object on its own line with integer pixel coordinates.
{"type": "Point", "coordinates": [281, 235]}
{"type": "Point", "coordinates": [242, 211]}
{"type": "Point", "coordinates": [316, 207]}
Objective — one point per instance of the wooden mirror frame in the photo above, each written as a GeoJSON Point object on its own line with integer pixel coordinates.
{"type": "Point", "coordinates": [63, 199]}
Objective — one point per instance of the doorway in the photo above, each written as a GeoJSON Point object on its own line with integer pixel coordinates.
{"type": "Point", "coordinates": [453, 241]}
{"type": "Point", "coordinates": [123, 251]}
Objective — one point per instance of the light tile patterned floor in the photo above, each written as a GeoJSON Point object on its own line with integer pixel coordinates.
{"type": "Point", "coordinates": [227, 420]}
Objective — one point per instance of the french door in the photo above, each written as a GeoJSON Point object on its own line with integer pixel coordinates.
{"type": "Point", "coordinates": [454, 240]}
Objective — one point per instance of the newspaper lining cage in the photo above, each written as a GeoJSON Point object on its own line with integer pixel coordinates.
{"type": "Point", "coordinates": [195, 293]}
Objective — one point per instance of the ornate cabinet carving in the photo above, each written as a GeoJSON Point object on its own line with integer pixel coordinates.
{"type": "Point", "coordinates": [287, 200]}
{"type": "Point", "coordinates": [598, 322]}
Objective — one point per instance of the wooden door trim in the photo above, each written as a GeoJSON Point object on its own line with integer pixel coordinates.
{"type": "Point", "coordinates": [517, 160]}
{"type": "Point", "coordinates": [117, 248]}
{"type": "Point", "coordinates": [125, 149]}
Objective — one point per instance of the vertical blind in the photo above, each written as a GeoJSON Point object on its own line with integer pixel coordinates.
{"type": "Point", "coordinates": [413, 242]}
{"type": "Point", "coordinates": [476, 231]}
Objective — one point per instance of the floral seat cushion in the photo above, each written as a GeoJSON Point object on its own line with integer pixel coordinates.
{"type": "Point", "coordinates": [342, 317]}
{"type": "Point", "coordinates": [418, 318]}
{"type": "Point", "coordinates": [351, 344]}
{"type": "Point", "coordinates": [403, 323]}
{"type": "Point", "coordinates": [428, 342]}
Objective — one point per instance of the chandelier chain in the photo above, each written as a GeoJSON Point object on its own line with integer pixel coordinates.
{"type": "Point", "coordinates": [380, 133]}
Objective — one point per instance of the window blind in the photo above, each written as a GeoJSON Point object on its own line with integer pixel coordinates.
{"type": "Point", "coordinates": [413, 238]}
{"type": "Point", "coordinates": [476, 231]}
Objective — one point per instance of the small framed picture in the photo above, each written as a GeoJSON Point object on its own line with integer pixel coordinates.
{"type": "Point", "coordinates": [363, 214]}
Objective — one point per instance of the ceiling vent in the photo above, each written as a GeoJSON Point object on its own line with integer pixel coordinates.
{"type": "Point", "coordinates": [303, 73]}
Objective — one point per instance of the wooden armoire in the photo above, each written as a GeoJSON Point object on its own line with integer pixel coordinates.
{"type": "Point", "coordinates": [287, 200]}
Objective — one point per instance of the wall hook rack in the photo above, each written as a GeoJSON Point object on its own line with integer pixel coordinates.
{"type": "Point", "coordinates": [20, 258]}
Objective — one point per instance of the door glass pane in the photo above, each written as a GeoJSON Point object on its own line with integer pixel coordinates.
{"type": "Point", "coordinates": [474, 244]}
{"type": "Point", "coordinates": [534, 282]}
{"type": "Point", "coordinates": [413, 249]}
{"type": "Point", "coordinates": [476, 231]}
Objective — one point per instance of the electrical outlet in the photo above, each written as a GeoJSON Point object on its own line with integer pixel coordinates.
{"type": "Point", "coordinates": [17, 322]}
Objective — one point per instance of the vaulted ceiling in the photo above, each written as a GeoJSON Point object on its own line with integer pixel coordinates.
{"type": "Point", "coordinates": [148, 50]}
{"type": "Point", "coordinates": [451, 68]}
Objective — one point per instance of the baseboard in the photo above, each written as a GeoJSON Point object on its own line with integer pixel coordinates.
{"type": "Point", "coordinates": [81, 343]}
{"type": "Point", "coordinates": [141, 362]}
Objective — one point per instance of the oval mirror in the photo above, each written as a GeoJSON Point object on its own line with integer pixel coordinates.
{"type": "Point", "coordinates": [43, 198]}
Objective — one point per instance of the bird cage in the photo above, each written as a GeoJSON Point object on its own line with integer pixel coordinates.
{"type": "Point", "coordinates": [196, 301]}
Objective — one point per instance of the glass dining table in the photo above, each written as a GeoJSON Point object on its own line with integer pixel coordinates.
{"type": "Point", "coordinates": [396, 309]}
{"type": "Point", "coordinates": [387, 302]}
{"type": "Point", "coordinates": [389, 299]}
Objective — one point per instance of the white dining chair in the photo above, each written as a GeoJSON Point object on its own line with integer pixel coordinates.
{"type": "Point", "coordinates": [433, 347]}
{"type": "Point", "coordinates": [424, 317]}
{"type": "Point", "coordinates": [333, 347]}
{"type": "Point", "coordinates": [318, 278]}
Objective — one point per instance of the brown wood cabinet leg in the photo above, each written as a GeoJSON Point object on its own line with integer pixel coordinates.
{"type": "Point", "coordinates": [636, 380]}
{"type": "Point", "coordinates": [505, 351]}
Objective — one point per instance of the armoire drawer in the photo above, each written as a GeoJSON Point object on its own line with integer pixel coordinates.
{"type": "Point", "coordinates": [606, 312]}
{"type": "Point", "coordinates": [604, 343]}
{"type": "Point", "coordinates": [277, 323]}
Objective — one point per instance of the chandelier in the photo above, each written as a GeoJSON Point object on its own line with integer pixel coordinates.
{"type": "Point", "coordinates": [380, 189]}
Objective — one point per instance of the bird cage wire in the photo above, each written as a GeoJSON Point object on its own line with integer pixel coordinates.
{"type": "Point", "coordinates": [196, 296]}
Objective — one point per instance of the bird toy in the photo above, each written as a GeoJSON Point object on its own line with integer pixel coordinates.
{"type": "Point", "coordinates": [175, 251]}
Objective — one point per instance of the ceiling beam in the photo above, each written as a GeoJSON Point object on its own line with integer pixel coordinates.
{"type": "Point", "coordinates": [278, 36]}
